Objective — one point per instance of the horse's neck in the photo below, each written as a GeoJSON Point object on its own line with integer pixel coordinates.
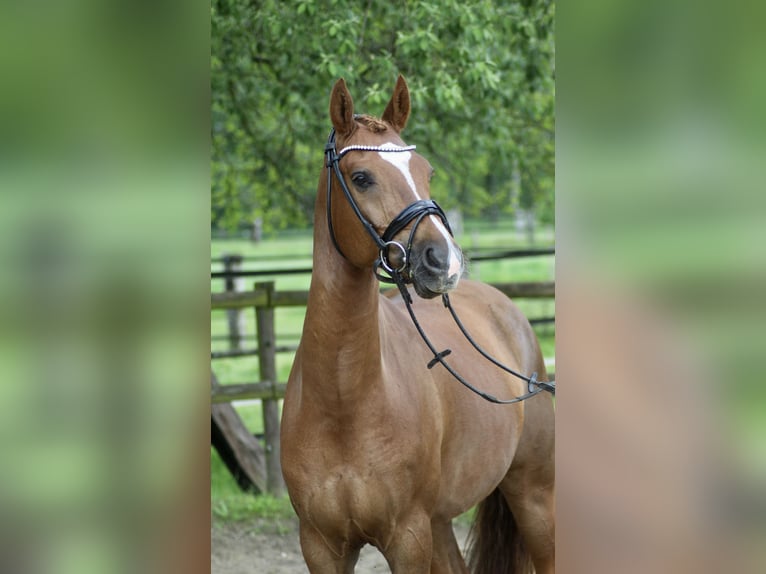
{"type": "Point", "coordinates": [340, 347]}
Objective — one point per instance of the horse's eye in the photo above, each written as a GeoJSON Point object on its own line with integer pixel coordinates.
{"type": "Point", "coordinates": [362, 180]}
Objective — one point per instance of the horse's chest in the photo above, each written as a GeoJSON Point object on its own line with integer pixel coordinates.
{"type": "Point", "coordinates": [355, 505]}
{"type": "Point", "coordinates": [361, 478]}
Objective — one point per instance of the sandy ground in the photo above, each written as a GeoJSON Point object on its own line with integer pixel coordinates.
{"type": "Point", "coordinates": [261, 547]}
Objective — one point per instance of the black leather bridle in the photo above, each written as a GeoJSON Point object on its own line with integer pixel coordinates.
{"type": "Point", "coordinates": [415, 211]}
{"type": "Point", "coordinates": [400, 275]}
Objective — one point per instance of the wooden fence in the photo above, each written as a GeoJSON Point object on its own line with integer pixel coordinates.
{"type": "Point", "coordinates": [256, 466]}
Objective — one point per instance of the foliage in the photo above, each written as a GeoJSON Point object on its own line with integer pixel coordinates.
{"type": "Point", "coordinates": [480, 75]}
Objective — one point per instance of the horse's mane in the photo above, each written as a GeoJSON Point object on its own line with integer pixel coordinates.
{"type": "Point", "coordinates": [375, 125]}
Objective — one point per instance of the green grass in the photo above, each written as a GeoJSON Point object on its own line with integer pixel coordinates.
{"type": "Point", "coordinates": [229, 503]}
{"type": "Point", "coordinates": [294, 250]}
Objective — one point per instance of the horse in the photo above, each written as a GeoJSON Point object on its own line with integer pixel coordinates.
{"type": "Point", "coordinates": [377, 447]}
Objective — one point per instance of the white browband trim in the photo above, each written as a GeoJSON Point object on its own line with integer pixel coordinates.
{"type": "Point", "coordinates": [375, 148]}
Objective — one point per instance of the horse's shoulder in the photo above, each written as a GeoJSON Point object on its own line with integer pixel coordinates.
{"type": "Point", "coordinates": [476, 291]}
{"type": "Point", "coordinates": [493, 305]}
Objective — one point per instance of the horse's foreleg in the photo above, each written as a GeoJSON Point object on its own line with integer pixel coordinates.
{"type": "Point", "coordinates": [411, 546]}
{"type": "Point", "coordinates": [321, 557]}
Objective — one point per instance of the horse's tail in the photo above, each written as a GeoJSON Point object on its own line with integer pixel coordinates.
{"type": "Point", "coordinates": [494, 542]}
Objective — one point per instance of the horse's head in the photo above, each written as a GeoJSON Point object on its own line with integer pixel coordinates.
{"type": "Point", "coordinates": [379, 211]}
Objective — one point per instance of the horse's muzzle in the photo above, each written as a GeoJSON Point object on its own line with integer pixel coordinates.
{"type": "Point", "coordinates": [436, 268]}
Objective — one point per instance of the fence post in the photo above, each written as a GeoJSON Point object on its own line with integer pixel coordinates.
{"type": "Point", "coordinates": [236, 319]}
{"type": "Point", "coordinates": [267, 366]}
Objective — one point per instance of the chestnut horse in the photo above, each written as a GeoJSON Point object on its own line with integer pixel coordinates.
{"type": "Point", "coordinates": [376, 447]}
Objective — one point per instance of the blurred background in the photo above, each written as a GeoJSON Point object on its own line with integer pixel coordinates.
{"type": "Point", "coordinates": [660, 274]}
{"type": "Point", "coordinates": [104, 211]}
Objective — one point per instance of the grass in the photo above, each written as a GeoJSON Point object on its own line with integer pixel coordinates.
{"type": "Point", "coordinates": [229, 504]}
{"type": "Point", "coordinates": [294, 250]}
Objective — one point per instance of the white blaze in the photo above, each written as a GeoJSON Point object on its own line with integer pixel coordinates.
{"type": "Point", "coordinates": [454, 257]}
{"type": "Point", "coordinates": [401, 161]}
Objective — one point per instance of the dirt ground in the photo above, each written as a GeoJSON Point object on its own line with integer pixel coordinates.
{"type": "Point", "coordinates": [261, 547]}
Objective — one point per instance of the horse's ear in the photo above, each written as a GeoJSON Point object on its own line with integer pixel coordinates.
{"type": "Point", "coordinates": [398, 109]}
{"type": "Point", "coordinates": [342, 109]}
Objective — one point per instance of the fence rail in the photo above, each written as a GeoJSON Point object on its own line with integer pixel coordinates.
{"type": "Point", "coordinates": [476, 254]}
{"type": "Point", "coordinates": [248, 391]}
{"type": "Point", "coordinates": [296, 298]}
{"type": "Point", "coordinates": [232, 263]}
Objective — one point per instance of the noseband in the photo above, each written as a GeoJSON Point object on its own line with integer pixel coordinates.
{"type": "Point", "coordinates": [415, 211]}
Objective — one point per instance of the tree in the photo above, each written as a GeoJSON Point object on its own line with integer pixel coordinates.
{"type": "Point", "coordinates": [480, 75]}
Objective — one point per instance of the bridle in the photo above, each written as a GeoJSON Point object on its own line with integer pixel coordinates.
{"type": "Point", "coordinates": [400, 275]}
{"type": "Point", "coordinates": [414, 211]}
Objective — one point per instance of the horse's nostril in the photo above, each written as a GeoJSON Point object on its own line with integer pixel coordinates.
{"type": "Point", "coordinates": [432, 259]}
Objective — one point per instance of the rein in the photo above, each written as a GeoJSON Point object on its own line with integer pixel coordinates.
{"type": "Point", "coordinates": [533, 385]}
{"type": "Point", "coordinates": [396, 275]}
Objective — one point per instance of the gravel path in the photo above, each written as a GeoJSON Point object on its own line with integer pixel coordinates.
{"type": "Point", "coordinates": [264, 547]}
